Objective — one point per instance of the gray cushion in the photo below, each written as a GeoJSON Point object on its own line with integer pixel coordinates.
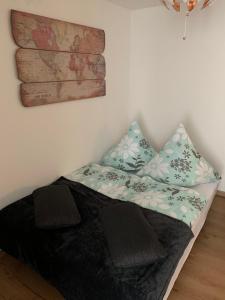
{"type": "Point", "coordinates": [55, 207]}
{"type": "Point", "coordinates": [132, 241]}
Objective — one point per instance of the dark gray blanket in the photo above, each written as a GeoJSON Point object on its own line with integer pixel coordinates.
{"type": "Point", "coordinates": [76, 260]}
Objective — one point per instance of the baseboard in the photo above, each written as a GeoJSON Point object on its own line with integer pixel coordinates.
{"type": "Point", "coordinates": [220, 194]}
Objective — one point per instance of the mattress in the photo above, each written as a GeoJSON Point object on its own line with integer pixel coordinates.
{"type": "Point", "coordinates": [208, 190]}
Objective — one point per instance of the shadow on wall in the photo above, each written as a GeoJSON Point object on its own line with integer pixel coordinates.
{"type": "Point", "coordinates": [146, 131]}
{"type": "Point", "coordinates": [16, 195]}
{"type": "Point", "coordinates": [198, 142]}
{"type": "Point", "coordinates": [96, 143]}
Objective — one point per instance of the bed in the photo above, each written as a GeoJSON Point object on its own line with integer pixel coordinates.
{"type": "Point", "coordinates": [207, 191]}
{"type": "Point", "coordinates": [56, 255]}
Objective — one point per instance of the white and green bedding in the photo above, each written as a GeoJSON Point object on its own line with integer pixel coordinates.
{"type": "Point", "coordinates": [181, 203]}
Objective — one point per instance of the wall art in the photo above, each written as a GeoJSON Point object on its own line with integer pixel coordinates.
{"type": "Point", "coordinates": [57, 61]}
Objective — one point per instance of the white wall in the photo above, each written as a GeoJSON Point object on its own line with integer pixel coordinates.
{"type": "Point", "coordinates": [176, 81]}
{"type": "Point", "coordinates": [170, 81]}
{"type": "Point", "coordinates": [41, 143]}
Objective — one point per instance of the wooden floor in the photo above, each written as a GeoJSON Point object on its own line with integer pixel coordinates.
{"type": "Point", "coordinates": [202, 278]}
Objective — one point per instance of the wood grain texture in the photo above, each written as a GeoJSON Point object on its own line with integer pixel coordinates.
{"type": "Point", "coordinates": [33, 94]}
{"type": "Point", "coordinates": [19, 282]}
{"type": "Point", "coordinates": [221, 194]}
{"type": "Point", "coordinates": [202, 277]}
{"type": "Point", "coordinates": [37, 32]}
{"type": "Point", "coordinates": [45, 66]}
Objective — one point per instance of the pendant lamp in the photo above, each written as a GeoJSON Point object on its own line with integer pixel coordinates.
{"type": "Point", "coordinates": [186, 6]}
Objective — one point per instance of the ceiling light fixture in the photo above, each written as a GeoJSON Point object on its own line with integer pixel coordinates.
{"type": "Point", "coordinates": [187, 6]}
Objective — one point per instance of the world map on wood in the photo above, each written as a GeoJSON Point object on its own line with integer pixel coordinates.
{"type": "Point", "coordinates": [40, 65]}
{"type": "Point", "coordinates": [57, 61]}
{"type": "Point", "coordinates": [37, 32]}
{"type": "Point", "coordinates": [34, 94]}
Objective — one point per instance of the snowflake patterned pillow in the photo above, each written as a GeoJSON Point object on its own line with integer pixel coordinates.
{"type": "Point", "coordinates": [179, 163]}
{"type": "Point", "coordinates": [132, 153]}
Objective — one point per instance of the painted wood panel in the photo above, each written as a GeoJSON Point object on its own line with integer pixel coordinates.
{"type": "Point", "coordinates": [33, 94]}
{"type": "Point", "coordinates": [37, 32]}
{"type": "Point", "coordinates": [45, 66]}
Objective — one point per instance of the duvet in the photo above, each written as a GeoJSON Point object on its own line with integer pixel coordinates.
{"type": "Point", "coordinates": [76, 260]}
{"type": "Point", "coordinates": [184, 204]}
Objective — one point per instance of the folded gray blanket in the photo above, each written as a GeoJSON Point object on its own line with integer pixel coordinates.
{"type": "Point", "coordinates": [55, 207]}
{"type": "Point", "coordinates": [131, 238]}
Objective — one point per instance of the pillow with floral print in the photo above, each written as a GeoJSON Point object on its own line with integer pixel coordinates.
{"type": "Point", "coordinates": [179, 163]}
{"type": "Point", "coordinates": [132, 152]}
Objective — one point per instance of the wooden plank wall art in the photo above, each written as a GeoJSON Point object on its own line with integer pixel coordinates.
{"type": "Point", "coordinates": [57, 61]}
